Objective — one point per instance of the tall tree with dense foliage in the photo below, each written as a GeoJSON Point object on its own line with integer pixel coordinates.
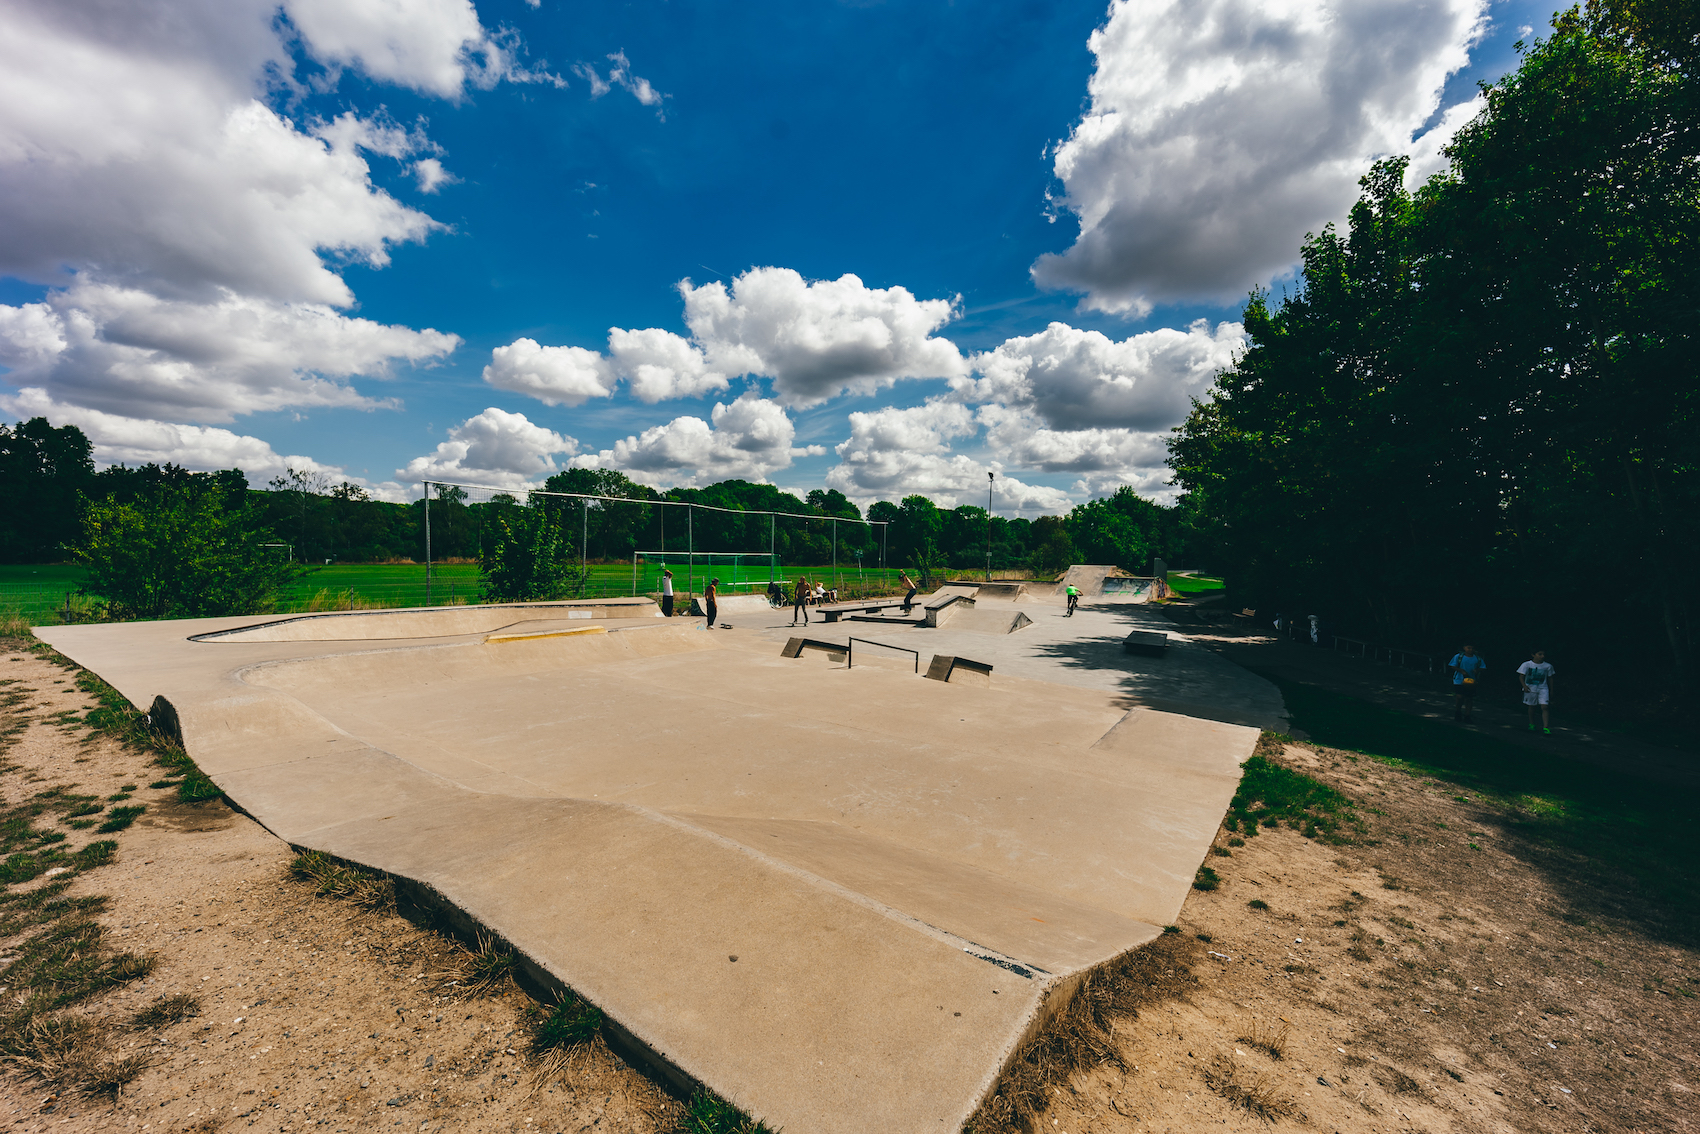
{"type": "Point", "coordinates": [1478, 413]}
{"type": "Point", "coordinates": [42, 472]}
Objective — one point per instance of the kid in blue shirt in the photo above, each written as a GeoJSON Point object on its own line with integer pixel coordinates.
{"type": "Point", "coordinates": [1467, 668]}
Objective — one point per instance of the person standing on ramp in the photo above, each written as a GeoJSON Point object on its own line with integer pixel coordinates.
{"type": "Point", "coordinates": [666, 593]}
{"type": "Point", "coordinates": [1536, 676]}
{"type": "Point", "coordinates": [800, 601]}
{"type": "Point", "coordinates": [709, 594]}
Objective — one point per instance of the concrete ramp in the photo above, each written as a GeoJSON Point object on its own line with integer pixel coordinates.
{"type": "Point", "coordinates": [842, 898]}
{"type": "Point", "coordinates": [1087, 578]}
{"type": "Point", "coordinates": [435, 621]}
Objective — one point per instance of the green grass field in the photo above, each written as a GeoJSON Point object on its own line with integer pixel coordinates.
{"type": "Point", "coordinates": [37, 593]}
{"type": "Point", "coordinates": [1193, 584]}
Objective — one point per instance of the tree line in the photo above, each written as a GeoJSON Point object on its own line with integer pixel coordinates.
{"type": "Point", "coordinates": [1475, 415]}
{"type": "Point", "coordinates": [123, 523]}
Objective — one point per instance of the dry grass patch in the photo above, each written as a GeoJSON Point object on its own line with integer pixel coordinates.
{"type": "Point", "coordinates": [1249, 1090]}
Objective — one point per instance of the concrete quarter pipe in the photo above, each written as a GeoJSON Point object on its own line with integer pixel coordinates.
{"type": "Point", "coordinates": [910, 874]}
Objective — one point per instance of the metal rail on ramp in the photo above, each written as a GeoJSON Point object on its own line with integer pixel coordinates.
{"type": "Point", "coordinates": [850, 661]}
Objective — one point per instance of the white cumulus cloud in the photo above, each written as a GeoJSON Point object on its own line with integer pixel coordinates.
{"type": "Point", "coordinates": [748, 439]}
{"type": "Point", "coordinates": [660, 365]}
{"type": "Point", "coordinates": [438, 47]}
{"type": "Point", "coordinates": [1220, 131]}
{"type": "Point", "coordinates": [1083, 380]}
{"type": "Point", "coordinates": [128, 351]}
{"type": "Point", "coordinates": [495, 448]}
{"type": "Point", "coordinates": [553, 375]}
{"type": "Point", "coordinates": [892, 453]}
{"type": "Point", "coordinates": [815, 340]}
{"type": "Point", "coordinates": [818, 339]}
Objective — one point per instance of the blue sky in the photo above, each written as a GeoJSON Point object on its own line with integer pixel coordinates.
{"type": "Point", "coordinates": [267, 235]}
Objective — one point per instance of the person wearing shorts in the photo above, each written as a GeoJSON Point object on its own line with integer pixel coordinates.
{"type": "Point", "coordinates": [1467, 668]}
{"type": "Point", "coordinates": [1536, 677]}
{"type": "Point", "coordinates": [666, 593]}
{"type": "Point", "coordinates": [709, 594]}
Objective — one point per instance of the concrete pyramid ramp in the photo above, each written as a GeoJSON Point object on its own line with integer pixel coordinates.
{"type": "Point", "coordinates": [910, 874]}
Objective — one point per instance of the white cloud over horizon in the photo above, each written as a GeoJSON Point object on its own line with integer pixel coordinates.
{"type": "Point", "coordinates": [120, 440]}
{"type": "Point", "coordinates": [747, 439]}
{"type": "Point", "coordinates": [495, 448]}
{"type": "Point", "coordinates": [1220, 131]}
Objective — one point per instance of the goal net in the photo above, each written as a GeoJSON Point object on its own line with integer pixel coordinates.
{"type": "Point", "coordinates": [739, 572]}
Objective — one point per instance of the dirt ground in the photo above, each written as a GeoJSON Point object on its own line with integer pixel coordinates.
{"type": "Point", "coordinates": [1432, 982]}
{"type": "Point", "coordinates": [1426, 977]}
{"type": "Point", "coordinates": [314, 1013]}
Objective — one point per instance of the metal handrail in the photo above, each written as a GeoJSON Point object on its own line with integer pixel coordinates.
{"type": "Point", "coordinates": [850, 652]}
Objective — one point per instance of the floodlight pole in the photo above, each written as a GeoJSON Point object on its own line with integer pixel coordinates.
{"type": "Point", "coordinates": [991, 479]}
{"type": "Point", "coordinates": [691, 549]}
{"type": "Point", "coordinates": [427, 543]}
{"type": "Point", "coordinates": [772, 544]}
{"type": "Point", "coordinates": [835, 553]}
{"type": "Point", "coordinates": [584, 553]}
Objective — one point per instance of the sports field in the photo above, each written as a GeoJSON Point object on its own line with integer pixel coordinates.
{"type": "Point", "coordinates": [38, 593]}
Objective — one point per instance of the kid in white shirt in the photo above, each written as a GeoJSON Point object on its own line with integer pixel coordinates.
{"type": "Point", "coordinates": [1536, 676]}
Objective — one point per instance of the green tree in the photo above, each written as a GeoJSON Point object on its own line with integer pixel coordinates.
{"type": "Point", "coordinates": [1481, 401]}
{"type": "Point", "coordinates": [1053, 551]}
{"type": "Point", "coordinates": [524, 555]}
{"type": "Point", "coordinates": [43, 471]}
{"type": "Point", "coordinates": [177, 550]}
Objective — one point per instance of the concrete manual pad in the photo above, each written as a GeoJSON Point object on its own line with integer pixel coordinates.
{"type": "Point", "coordinates": [912, 874]}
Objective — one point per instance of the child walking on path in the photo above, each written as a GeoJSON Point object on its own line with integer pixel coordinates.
{"type": "Point", "coordinates": [666, 593]}
{"type": "Point", "coordinates": [709, 594]}
{"type": "Point", "coordinates": [1536, 676]}
{"type": "Point", "coordinates": [1467, 670]}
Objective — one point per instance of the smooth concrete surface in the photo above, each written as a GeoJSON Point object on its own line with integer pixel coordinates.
{"type": "Point", "coordinates": [633, 808]}
{"type": "Point", "coordinates": [1087, 650]}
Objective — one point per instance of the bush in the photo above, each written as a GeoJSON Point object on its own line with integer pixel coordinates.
{"type": "Point", "coordinates": [182, 548]}
{"type": "Point", "coordinates": [523, 554]}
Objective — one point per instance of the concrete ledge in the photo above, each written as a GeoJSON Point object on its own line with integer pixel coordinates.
{"type": "Point", "coordinates": [947, 667]}
{"type": "Point", "coordinates": [796, 647]}
{"type": "Point", "coordinates": [1153, 643]}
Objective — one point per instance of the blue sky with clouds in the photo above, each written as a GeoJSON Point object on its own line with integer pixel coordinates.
{"type": "Point", "coordinates": [883, 247]}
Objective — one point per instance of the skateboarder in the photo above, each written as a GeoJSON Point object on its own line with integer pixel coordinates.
{"type": "Point", "coordinates": [908, 585]}
{"type": "Point", "coordinates": [800, 597]}
{"type": "Point", "coordinates": [1466, 670]}
{"type": "Point", "coordinates": [709, 594]}
{"type": "Point", "coordinates": [1536, 677]}
{"type": "Point", "coordinates": [666, 593]}
{"type": "Point", "coordinates": [1073, 599]}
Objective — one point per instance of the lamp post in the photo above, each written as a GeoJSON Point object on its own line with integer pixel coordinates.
{"type": "Point", "coordinates": [991, 479]}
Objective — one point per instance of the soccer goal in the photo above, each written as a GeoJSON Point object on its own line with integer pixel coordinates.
{"type": "Point", "coordinates": [737, 570]}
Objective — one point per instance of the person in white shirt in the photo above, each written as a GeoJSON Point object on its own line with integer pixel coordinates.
{"type": "Point", "coordinates": [1536, 676]}
{"type": "Point", "coordinates": [666, 593]}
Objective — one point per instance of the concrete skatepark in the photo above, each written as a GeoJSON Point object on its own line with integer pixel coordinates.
{"type": "Point", "coordinates": [911, 874]}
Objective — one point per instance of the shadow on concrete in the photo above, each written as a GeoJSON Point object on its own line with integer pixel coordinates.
{"type": "Point", "coordinates": [1187, 680]}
